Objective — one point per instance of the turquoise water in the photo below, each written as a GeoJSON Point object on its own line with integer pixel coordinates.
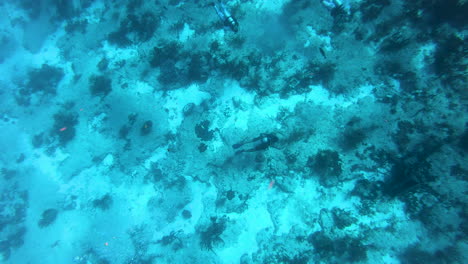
{"type": "Point", "coordinates": [237, 132]}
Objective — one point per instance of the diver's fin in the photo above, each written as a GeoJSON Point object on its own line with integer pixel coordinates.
{"type": "Point", "coordinates": [237, 145]}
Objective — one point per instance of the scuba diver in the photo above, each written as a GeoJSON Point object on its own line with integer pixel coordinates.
{"type": "Point", "coordinates": [262, 142]}
{"type": "Point", "coordinates": [226, 17]}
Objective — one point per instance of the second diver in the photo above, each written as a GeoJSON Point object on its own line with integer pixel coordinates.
{"type": "Point", "coordinates": [226, 17]}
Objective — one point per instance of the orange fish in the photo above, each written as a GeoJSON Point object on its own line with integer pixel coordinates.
{"type": "Point", "coordinates": [271, 184]}
{"type": "Point", "coordinates": [63, 129]}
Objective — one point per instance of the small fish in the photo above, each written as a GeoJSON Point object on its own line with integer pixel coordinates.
{"type": "Point", "coordinates": [323, 53]}
{"type": "Point", "coordinates": [63, 129]}
{"type": "Point", "coordinates": [271, 184]}
{"type": "Point", "coordinates": [171, 150]}
{"type": "Point", "coordinates": [56, 243]}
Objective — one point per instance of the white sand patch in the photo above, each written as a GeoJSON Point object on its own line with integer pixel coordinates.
{"type": "Point", "coordinates": [219, 35]}
{"type": "Point", "coordinates": [110, 230]}
{"type": "Point", "coordinates": [300, 207]}
{"type": "Point", "coordinates": [158, 154]}
{"type": "Point", "coordinates": [106, 231]}
{"type": "Point", "coordinates": [56, 243]}
{"type": "Point", "coordinates": [201, 194]}
{"type": "Point", "coordinates": [274, 6]}
{"type": "Point", "coordinates": [13, 141]}
{"type": "Point", "coordinates": [217, 144]}
{"type": "Point", "coordinates": [96, 123]}
{"type": "Point", "coordinates": [319, 95]}
{"type": "Point", "coordinates": [131, 201]}
{"type": "Point", "coordinates": [118, 54]}
{"type": "Point", "coordinates": [308, 200]}
{"type": "Point", "coordinates": [22, 59]}
{"type": "Point", "coordinates": [233, 91]}
{"type": "Point", "coordinates": [176, 100]}
{"type": "Point", "coordinates": [424, 56]}
{"type": "Point", "coordinates": [93, 14]}
{"type": "Point", "coordinates": [140, 87]}
{"type": "Point", "coordinates": [90, 184]}
{"type": "Point", "coordinates": [236, 100]}
{"type": "Point", "coordinates": [47, 165]}
{"type": "Point", "coordinates": [275, 104]}
{"type": "Point", "coordinates": [239, 120]}
{"type": "Point", "coordinates": [50, 53]}
{"type": "Point", "coordinates": [255, 219]}
{"type": "Point", "coordinates": [186, 33]}
{"type": "Point", "coordinates": [317, 40]}
{"type": "Point", "coordinates": [108, 161]}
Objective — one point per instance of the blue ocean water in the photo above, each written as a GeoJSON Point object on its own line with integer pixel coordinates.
{"type": "Point", "coordinates": [236, 131]}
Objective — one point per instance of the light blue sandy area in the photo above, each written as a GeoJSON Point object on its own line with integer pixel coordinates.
{"type": "Point", "coordinates": [141, 132]}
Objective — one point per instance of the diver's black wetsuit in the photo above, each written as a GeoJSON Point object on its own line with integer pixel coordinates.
{"type": "Point", "coordinates": [262, 142]}
{"type": "Point", "coordinates": [226, 17]}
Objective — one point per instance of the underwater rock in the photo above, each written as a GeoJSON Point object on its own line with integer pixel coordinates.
{"type": "Point", "coordinates": [203, 131]}
{"type": "Point", "coordinates": [327, 164]}
{"type": "Point", "coordinates": [146, 128]}
{"type": "Point", "coordinates": [103, 203]}
{"type": "Point", "coordinates": [188, 109]}
{"type": "Point", "coordinates": [186, 214]}
{"type": "Point", "coordinates": [48, 217]}
{"type": "Point", "coordinates": [100, 85]}
{"type": "Point", "coordinates": [202, 147]}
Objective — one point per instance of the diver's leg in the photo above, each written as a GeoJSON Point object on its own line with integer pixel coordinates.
{"type": "Point", "coordinates": [219, 12]}
{"type": "Point", "coordinates": [242, 143]}
{"type": "Point", "coordinates": [250, 150]}
{"type": "Point", "coordinates": [239, 151]}
{"type": "Point", "coordinates": [237, 145]}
